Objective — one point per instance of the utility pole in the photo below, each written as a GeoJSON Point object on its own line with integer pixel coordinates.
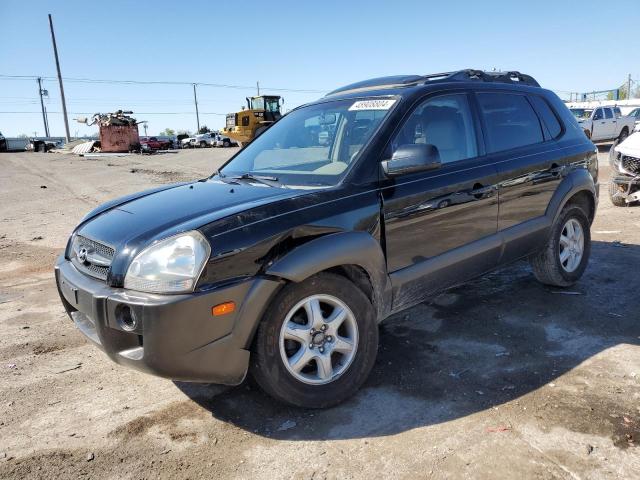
{"type": "Point", "coordinates": [195, 100]}
{"type": "Point", "coordinates": [629, 87]}
{"type": "Point", "coordinates": [64, 103]}
{"type": "Point", "coordinates": [44, 114]}
{"type": "Point", "coordinates": [258, 87]}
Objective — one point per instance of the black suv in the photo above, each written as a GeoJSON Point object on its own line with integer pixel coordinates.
{"type": "Point", "coordinates": [359, 205]}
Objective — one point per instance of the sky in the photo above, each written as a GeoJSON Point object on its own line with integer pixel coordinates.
{"type": "Point", "coordinates": [297, 49]}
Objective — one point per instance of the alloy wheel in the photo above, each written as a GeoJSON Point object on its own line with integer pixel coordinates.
{"type": "Point", "coordinates": [571, 245]}
{"type": "Point", "coordinates": [318, 339]}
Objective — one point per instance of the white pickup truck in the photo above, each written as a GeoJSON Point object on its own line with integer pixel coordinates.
{"type": "Point", "coordinates": [603, 123]}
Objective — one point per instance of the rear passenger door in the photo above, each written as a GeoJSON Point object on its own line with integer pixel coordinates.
{"type": "Point", "coordinates": [528, 161]}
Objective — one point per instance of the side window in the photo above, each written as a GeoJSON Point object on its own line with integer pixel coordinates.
{"type": "Point", "coordinates": [444, 122]}
{"type": "Point", "coordinates": [548, 117]}
{"type": "Point", "coordinates": [510, 121]}
{"type": "Point", "coordinates": [598, 115]}
{"type": "Point", "coordinates": [607, 113]}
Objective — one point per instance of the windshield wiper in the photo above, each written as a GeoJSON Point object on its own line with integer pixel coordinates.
{"type": "Point", "coordinates": [266, 180]}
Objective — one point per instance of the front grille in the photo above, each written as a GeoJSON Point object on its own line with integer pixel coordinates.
{"type": "Point", "coordinates": [631, 164]}
{"type": "Point", "coordinates": [91, 257]}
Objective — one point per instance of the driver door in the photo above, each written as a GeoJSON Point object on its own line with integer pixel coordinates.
{"type": "Point", "coordinates": [441, 224]}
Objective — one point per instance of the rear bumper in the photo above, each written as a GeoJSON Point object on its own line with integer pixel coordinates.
{"type": "Point", "coordinates": [176, 336]}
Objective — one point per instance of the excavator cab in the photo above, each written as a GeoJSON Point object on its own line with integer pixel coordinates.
{"type": "Point", "coordinates": [247, 124]}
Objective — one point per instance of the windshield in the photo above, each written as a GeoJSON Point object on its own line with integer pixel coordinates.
{"type": "Point", "coordinates": [257, 103]}
{"type": "Point", "coordinates": [313, 145]}
{"type": "Point", "coordinates": [581, 112]}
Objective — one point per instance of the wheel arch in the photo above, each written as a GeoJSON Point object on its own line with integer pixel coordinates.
{"type": "Point", "coordinates": [577, 187]}
{"type": "Point", "coordinates": [354, 255]}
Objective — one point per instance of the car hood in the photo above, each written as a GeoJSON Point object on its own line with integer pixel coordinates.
{"type": "Point", "coordinates": [138, 220]}
{"type": "Point", "coordinates": [631, 146]}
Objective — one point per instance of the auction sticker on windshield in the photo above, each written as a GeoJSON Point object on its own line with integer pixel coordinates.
{"type": "Point", "coordinates": [385, 104]}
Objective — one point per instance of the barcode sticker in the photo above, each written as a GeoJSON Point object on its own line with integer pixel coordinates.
{"type": "Point", "coordinates": [385, 104]}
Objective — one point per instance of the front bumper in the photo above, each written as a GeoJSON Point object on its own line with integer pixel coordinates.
{"type": "Point", "coordinates": [176, 336]}
{"type": "Point", "coordinates": [628, 187]}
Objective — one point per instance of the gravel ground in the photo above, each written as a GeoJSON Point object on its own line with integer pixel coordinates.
{"type": "Point", "coordinates": [502, 378]}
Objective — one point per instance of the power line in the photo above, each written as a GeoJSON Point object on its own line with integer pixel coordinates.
{"type": "Point", "coordinates": [136, 113]}
{"type": "Point", "coordinates": [161, 82]}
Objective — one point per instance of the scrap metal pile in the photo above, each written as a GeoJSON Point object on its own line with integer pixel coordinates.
{"type": "Point", "coordinates": [118, 132]}
{"type": "Point", "coordinates": [119, 117]}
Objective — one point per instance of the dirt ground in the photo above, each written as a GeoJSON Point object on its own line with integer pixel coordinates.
{"type": "Point", "coordinates": [502, 378]}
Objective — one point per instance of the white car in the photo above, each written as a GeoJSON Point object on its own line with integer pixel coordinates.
{"type": "Point", "coordinates": [223, 141]}
{"type": "Point", "coordinates": [635, 114]}
{"type": "Point", "coordinates": [603, 123]}
{"type": "Point", "coordinates": [187, 142]}
{"type": "Point", "coordinates": [204, 140]}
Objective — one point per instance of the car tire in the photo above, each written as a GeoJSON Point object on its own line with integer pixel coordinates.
{"type": "Point", "coordinates": [623, 135]}
{"type": "Point", "coordinates": [556, 264]}
{"type": "Point", "coordinates": [616, 199]}
{"type": "Point", "coordinates": [226, 143]}
{"type": "Point", "coordinates": [203, 144]}
{"type": "Point", "coordinates": [259, 131]}
{"type": "Point", "coordinates": [350, 349]}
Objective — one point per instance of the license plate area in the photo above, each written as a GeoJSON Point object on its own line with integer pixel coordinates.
{"type": "Point", "coordinates": [69, 291]}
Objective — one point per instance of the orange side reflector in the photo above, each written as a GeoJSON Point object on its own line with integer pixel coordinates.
{"type": "Point", "coordinates": [223, 309]}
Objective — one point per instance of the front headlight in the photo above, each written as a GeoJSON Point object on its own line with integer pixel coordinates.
{"type": "Point", "coordinates": [172, 265]}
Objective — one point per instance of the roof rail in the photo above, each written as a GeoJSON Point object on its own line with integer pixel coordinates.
{"type": "Point", "coordinates": [480, 75]}
{"type": "Point", "coordinates": [469, 74]}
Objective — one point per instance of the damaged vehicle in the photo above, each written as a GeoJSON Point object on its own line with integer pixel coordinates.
{"type": "Point", "coordinates": [283, 263]}
{"type": "Point", "coordinates": [624, 160]}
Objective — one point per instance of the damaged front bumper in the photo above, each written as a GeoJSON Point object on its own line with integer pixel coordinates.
{"type": "Point", "coordinates": [628, 187]}
{"type": "Point", "coordinates": [172, 336]}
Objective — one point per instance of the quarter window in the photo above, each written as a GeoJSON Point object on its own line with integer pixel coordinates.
{"type": "Point", "coordinates": [510, 121]}
{"type": "Point", "coordinates": [548, 117]}
{"type": "Point", "coordinates": [444, 122]}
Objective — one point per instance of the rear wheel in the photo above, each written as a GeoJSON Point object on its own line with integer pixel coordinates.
{"type": "Point", "coordinates": [226, 143]}
{"type": "Point", "coordinates": [566, 254]}
{"type": "Point", "coordinates": [317, 342]}
{"type": "Point", "coordinates": [203, 144]}
{"type": "Point", "coordinates": [623, 134]}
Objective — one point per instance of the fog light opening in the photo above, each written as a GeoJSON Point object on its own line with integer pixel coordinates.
{"type": "Point", "coordinates": [127, 318]}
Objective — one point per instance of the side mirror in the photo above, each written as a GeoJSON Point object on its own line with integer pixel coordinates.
{"type": "Point", "coordinates": [412, 158]}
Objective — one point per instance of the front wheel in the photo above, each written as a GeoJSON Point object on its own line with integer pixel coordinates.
{"type": "Point", "coordinates": [317, 342]}
{"type": "Point", "coordinates": [566, 254]}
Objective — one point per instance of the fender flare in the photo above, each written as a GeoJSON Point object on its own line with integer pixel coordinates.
{"type": "Point", "coordinates": [576, 181]}
{"type": "Point", "coordinates": [334, 250]}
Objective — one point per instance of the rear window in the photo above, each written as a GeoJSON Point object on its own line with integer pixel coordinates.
{"type": "Point", "coordinates": [548, 117]}
{"type": "Point", "coordinates": [510, 121]}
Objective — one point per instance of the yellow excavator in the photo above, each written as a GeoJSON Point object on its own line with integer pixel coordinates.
{"type": "Point", "coordinates": [247, 124]}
